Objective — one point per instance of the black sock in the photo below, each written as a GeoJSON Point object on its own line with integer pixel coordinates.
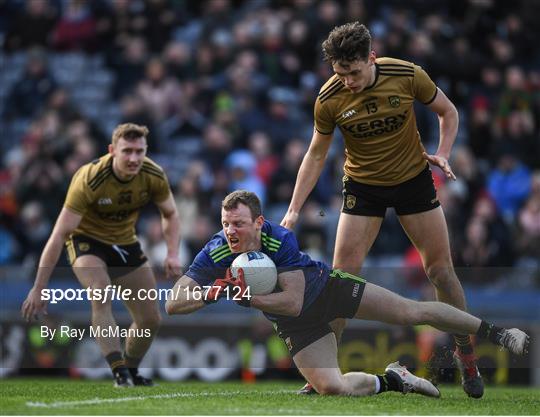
{"type": "Point", "coordinates": [388, 382]}
{"type": "Point", "coordinates": [117, 363]}
{"type": "Point", "coordinates": [463, 343]}
{"type": "Point", "coordinates": [132, 364]}
{"type": "Point", "coordinates": [490, 332]}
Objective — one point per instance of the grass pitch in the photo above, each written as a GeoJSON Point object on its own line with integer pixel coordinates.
{"type": "Point", "coordinates": [31, 396]}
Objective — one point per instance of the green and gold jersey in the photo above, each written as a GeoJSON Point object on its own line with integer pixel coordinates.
{"type": "Point", "coordinates": [110, 206]}
{"type": "Point", "coordinates": [382, 143]}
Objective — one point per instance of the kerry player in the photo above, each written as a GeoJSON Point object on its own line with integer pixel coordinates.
{"type": "Point", "coordinates": [371, 100]}
{"type": "Point", "coordinates": [309, 296]}
{"type": "Point", "coordinates": [97, 226]}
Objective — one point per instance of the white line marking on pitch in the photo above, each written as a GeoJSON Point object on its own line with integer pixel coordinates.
{"type": "Point", "coordinates": [96, 401]}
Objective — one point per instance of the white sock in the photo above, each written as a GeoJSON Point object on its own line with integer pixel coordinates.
{"type": "Point", "coordinates": [377, 385]}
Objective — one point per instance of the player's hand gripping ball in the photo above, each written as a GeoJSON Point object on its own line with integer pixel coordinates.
{"type": "Point", "coordinates": [260, 273]}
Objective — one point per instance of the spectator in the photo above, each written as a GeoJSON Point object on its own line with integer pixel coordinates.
{"type": "Point", "coordinates": [129, 65]}
{"type": "Point", "coordinates": [241, 165]}
{"type": "Point", "coordinates": [202, 228]}
{"type": "Point", "coordinates": [498, 231]}
{"type": "Point", "coordinates": [155, 247]}
{"type": "Point", "coordinates": [470, 180]}
{"type": "Point", "coordinates": [267, 161]}
{"type": "Point", "coordinates": [282, 182]}
{"type": "Point", "coordinates": [42, 180]}
{"type": "Point", "coordinates": [479, 250]}
{"type": "Point", "coordinates": [37, 15]}
{"type": "Point", "coordinates": [509, 183]}
{"type": "Point", "coordinates": [177, 56]}
{"type": "Point", "coordinates": [159, 91]}
{"type": "Point", "coordinates": [528, 230]}
{"type": "Point", "coordinates": [8, 246]}
{"type": "Point", "coordinates": [187, 203]}
{"type": "Point", "coordinates": [32, 91]}
{"type": "Point", "coordinates": [34, 228]}
{"type": "Point", "coordinates": [160, 20]}
{"type": "Point", "coordinates": [76, 29]}
{"type": "Point", "coordinates": [217, 145]}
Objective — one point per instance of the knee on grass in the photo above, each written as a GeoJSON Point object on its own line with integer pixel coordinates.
{"type": "Point", "coordinates": [329, 387]}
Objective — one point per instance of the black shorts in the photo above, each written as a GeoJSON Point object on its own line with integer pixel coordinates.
{"type": "Point", "coordinates": [412, 196]}
{"type": "Point", "coordinates": [120, 259]}
{"type": "Point", "coordinates": [340, 298]}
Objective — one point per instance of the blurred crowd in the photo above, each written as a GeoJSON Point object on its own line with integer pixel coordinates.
{"type": "Point", "coordinates": [227, 89]}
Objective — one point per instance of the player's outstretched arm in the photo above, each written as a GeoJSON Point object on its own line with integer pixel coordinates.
{"type": "Point", "coordinates": [66, 223]}
{"type": "Point", "coordinates": [170, 223]}
{"type": "Point", "coordinates": [308, 174]}
{"type": "Point", "coordinates": [289, 301]}
{"type": "Point", "coordinates": [448, 122]}
{"type": "Point", "coordinates": [185, 297]}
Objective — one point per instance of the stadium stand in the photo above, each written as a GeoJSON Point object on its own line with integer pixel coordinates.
{"type": "Point", "coordinates": [229, 70]}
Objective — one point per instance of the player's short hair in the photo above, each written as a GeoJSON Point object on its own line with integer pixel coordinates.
{"type": "Point", "coordinates": [347, 43]}
{"type": "Point", "coordinates": [129, 131]}
{"type": "Point", "coordinates": [247, 198]}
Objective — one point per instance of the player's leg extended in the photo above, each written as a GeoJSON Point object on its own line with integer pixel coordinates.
{"type": "Point", "coordinates": [91, 271]}
{"type": "Point", "coordinates": [380, 304]}
{"type": "Point", "coordinates": [318, 364]}
{"type": "Point", "coordinates": [429, 233]}
{"type": "Point", "coordinates": [354, 237]}
{"type": "Point", "coordinates": [145, 315]}
{"type": "Point", "coordinates": [144, 312]}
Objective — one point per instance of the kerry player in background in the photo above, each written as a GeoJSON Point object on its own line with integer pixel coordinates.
{"type": "Point", "coordinates": [97, 226]}
{"type": "Point", "coordinates": [371, 100]}
{"type": "Point", "coordinates": [309, 295]}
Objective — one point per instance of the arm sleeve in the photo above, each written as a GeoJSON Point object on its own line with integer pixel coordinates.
{"type": "Point", "coordinates": [289, 256]}
{"type": "Point", "coordinates": [160, 189]}
{"type": "Point", "coordinates": [324, 122]}
{"type": "Point", "coordinates": [79, 196]}
{"type": "Point", "coordinates": [203, 270]}
{"type": "Point", "coordinates": [424, 89]}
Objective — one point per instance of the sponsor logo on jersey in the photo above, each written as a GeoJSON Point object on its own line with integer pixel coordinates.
{"type": "Point", "coordinates": [350, 201]}
{"type": "Point", "coordinates": [105, 201]}
{"type": "Point", "coordinates": [394, 101]}
{"type": "Point", "coordinates": [84, 247]}
{"type": "Point", "coordinates": [254, 255]}
{"type": "Point", "coordinates": [375, 127]}
{"type": "Point", "coordinates": [124, 197]}
{"type": "Point", "coordinates": [116, 216]}
{"type": "Point", "coordinates": [348, 113]}
{"type": "Point", "coordinates": [143, 195]}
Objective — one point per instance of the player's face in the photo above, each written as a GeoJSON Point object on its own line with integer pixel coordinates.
{"type": "Point", "coordinates": [128, 156]}
{"type": "Point", "coordinates": [356, 75]}
{"type": "Point", "coordinates": [241, 231]}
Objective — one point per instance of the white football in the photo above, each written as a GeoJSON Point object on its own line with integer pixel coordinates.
{"type": "Point", "coordinates": [260, 272]}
